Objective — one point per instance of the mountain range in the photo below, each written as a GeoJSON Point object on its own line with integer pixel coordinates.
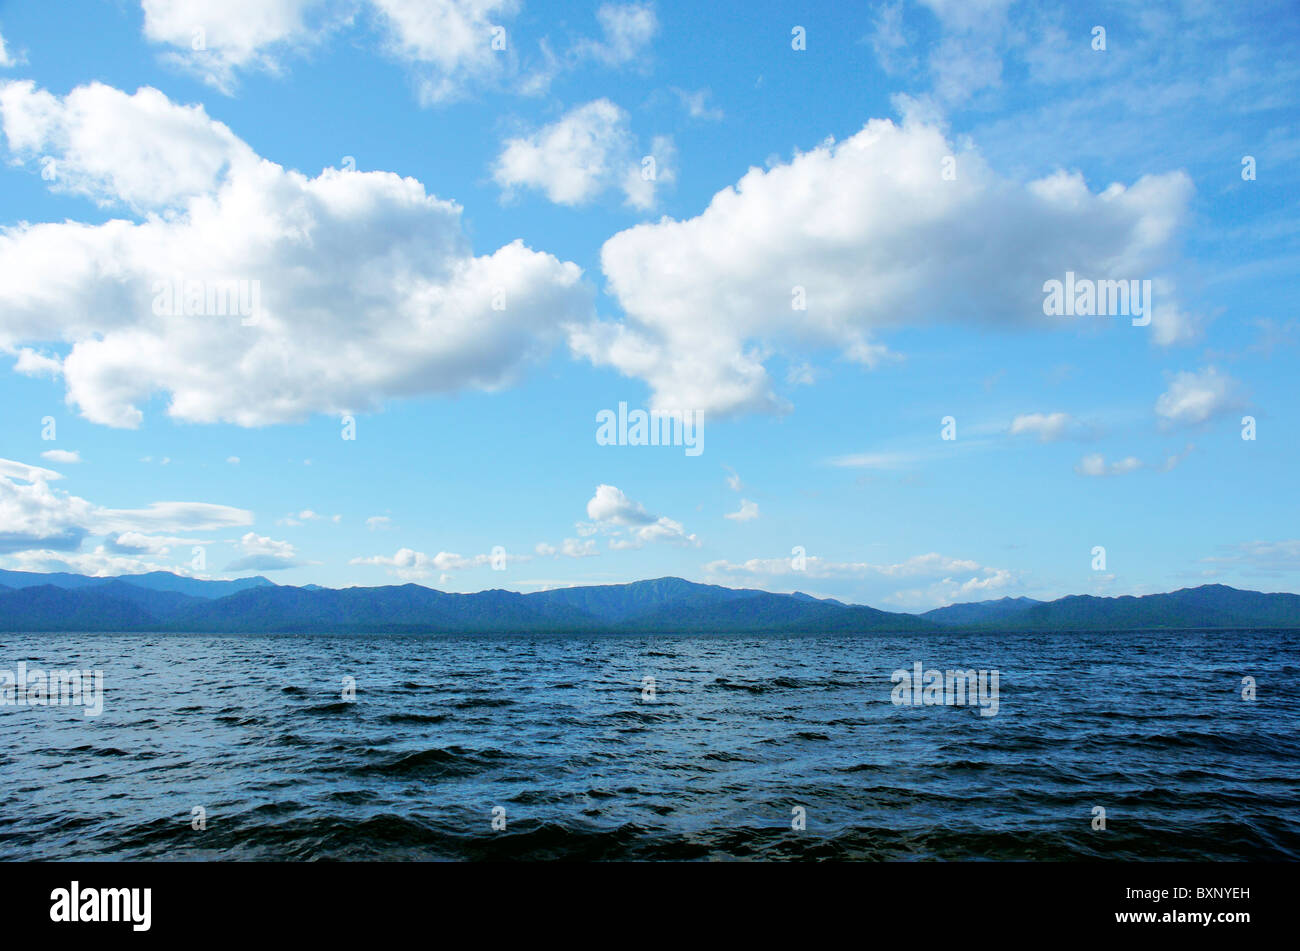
{"type": "Point", "coordinates": [161, 601]}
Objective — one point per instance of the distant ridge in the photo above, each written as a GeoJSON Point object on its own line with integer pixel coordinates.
{"type": "Point", "coordinates": [160, 601]}
{"type": "Point", "coordinates": [153, 581]}
{"type": "Point", "coordinates": [980, 612]}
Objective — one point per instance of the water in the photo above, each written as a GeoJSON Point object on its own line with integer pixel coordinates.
{"type": "Point", "coordinates": [1152, 727]}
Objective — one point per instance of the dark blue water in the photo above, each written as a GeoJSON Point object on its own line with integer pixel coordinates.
{"type": "Point", "coordinates": [1151, 727]}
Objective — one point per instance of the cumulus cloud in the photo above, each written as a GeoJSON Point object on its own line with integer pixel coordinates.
{"type": "Point", "coordinates": [628, 524]}
{"type": "Point", "coordinates": [588, 151]}
{"type": "Point", "coordinates": [1047, 427]}
{"type": "Point", "coordinates": [748, 512]}
{"type": "Point", "coordinates": [262, 553]}
{"type": "Point", "coordinates": [447, 42]}
{"type": "Point", "coordinates": [64, 456]}
{"type": "Point", "coordinates": [626, 32]}
{"type": "Point", "coordinates": [1197, 397]}
{"type": "Point", "coordinates": [569, 548]}
{"type": "Point", "coordinates": [852, 239]}
{"type": "Point", "coordinates": [450, 47]}
{"type": "Point", "coordinates": [411, 565]}
{"type": "Point", "coordinates": [992, 584]}
{"type": "Point", "coordinates": [1095, 464]}
{"type": "Point", "coordinates": [215, 38]}
{"type": "Point", "coordinates": [366, 287]}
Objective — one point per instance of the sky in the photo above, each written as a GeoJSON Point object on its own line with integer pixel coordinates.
{"type": "Point", "coordinates": [345, 292]}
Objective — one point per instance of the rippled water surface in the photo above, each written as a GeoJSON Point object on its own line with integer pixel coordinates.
{"type": "Point", "coordinates": [254, 729]}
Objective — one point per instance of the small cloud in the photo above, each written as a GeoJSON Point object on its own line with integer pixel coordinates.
{"type": "Point", "coordinates": [62, 455]}
{"type": "Point", "coordinates": [1197, 397]}
{"type": "Point", "coordinates": [805, 374]}
{"type": "Point", "coordinates": [1047, 427]}
{"type": "Point", "coordinates": [262, 553]}
{"type": "Point", "coordinates": [31, 363]}
{"type": "Point", "coordinates": [1095, 464]}
{"type": "Point", "coordinates": [233, 460]}
{"type": "Point", "coordinates": [569, 548]}
{"type": "Point", "coordinates": [626, 28]}
{"type": "Point", "coordinates": [747, 513]}
{"type": "Point", "coordinates": [697, 105]}
{"type": "Point", "coordinates": [612, 512]}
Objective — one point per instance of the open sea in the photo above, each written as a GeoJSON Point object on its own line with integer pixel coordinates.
{"type": "Point", "coordinates": [557, 739]}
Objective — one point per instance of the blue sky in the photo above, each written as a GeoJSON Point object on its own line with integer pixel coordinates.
{"type": "Point", "coordinates": [463, 249]}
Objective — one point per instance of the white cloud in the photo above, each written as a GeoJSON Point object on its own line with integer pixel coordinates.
{"type": "Point", "coordinates": [1273, 558]}
{"type": "Point", "coordinates": [35, 517]}
{"type": "Point", "coordinates": [263, 553]}
{"type": "Point", "coordinates": [628, 523]}
{"type": "Point", "coordinates": [32, 363]}
{"type": "Point", "coordinates": [1195, 397]}
{"type": "Point", "coordinates": [817, 567]}
{"type": "Point", "coordinates": [1095, 464]}
{"type": "Point", "coordinates": [888, 41]}
{"type": "Point", "coordinates": [610, 504]}
{"type": "Point", "coordinates": [7, 59]}
{"type": "Point", "coordinates": [586, 152]}
{"type": "Point", "coordinates": [968, 56]}
{"type": "Point", "coordinates": [214, 38]}
{"type": "Point", "coordinates": [697, 105]}
{"type": "Point", "coordinates": [448, 42]}
{"type": "Point", "coordinates": [170, 517]}
{"type": "Point", "coordinates": [953, 578]}
{"type": "Point", "coordinates": [379, 522]}
{"type": "Point", "coordinates": [65, 456]}
{"type": "Point", "coordinates": [18, 470]}
{"type": "Point", "coordinates": [871, 237]}
{"type": "Point", "coordinates": [102, 562]}
{"type": "Point", "coordinates": [748, 512]}
{"type": "Point", "coordinates": [132, 543]}
{"type": "Point", "coordinates": [1047, 427]}
{"type": "Point", "coordinates": [569, 548]}
{"type": "Point", "coordinates": [306, 515]}
{"type": "Point", "coordinates": [363, 277]}
{"type": "Point", "coordinates": [946, 591]}
{"type": "Point", "coordinates": [409, 564]}
{"type": "Point", "coordinates": [881, 460]}
{"type": "Point", "coordinates": [626, 32]}
{"type": "Point", "coordinates": [232, 460]}
{"type": "Point", "coordinates": [447, 45]}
